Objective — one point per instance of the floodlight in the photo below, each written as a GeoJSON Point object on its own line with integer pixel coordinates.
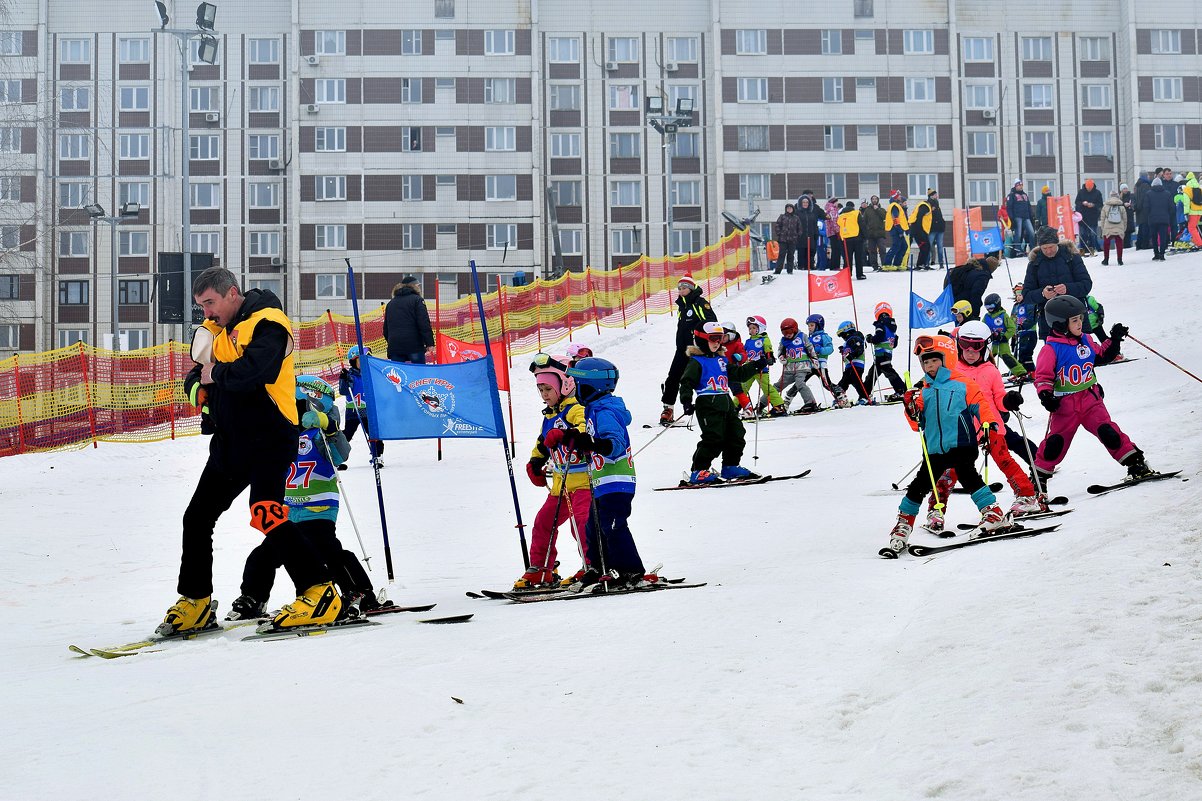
{"type": "Point", "coordinates": [162, 8]}
{"type": "Point", "coordinates": [655, 104]}
{"type": "Point", "coordinates": [206, 15]}
{"type": "Point", "coordinates": [94, 210]}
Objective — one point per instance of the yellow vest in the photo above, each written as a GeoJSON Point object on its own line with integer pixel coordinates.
{"type": "Point", "coordinates": [849, 224]}
{"type": "Point", "coordinates": [228, 346]}
{"type": "Point", "coordinates": [926, 221]}
{"type": "Point", "coordinates": [902, 222]}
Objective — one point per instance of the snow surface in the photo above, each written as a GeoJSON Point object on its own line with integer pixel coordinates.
{"type": "Point", "coordinates": [1060, 667]}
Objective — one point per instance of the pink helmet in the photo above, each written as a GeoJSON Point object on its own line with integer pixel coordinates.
{"type": "Point", "coordinates": [553, 376]}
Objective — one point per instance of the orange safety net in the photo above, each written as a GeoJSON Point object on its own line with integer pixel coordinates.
{"type": "Point", "coordinates": [77, 395]}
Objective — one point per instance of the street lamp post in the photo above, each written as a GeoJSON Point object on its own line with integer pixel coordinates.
{"type": "Point", "coordinates": [206, 15]}
{"type": "Point", "coordinates": [97, 214]}
{"type": "Point", "coordinates": [667, 124]}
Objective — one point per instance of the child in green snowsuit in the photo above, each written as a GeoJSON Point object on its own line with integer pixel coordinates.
{"type": "Point", "coordinates": [1003, 327]}
{"type": "Point", "coordinates": [759, 346]}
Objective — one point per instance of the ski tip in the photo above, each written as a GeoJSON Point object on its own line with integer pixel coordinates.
{"type": "Point", "coordinates": [887, 553]}
{"type": "Point", "coordinates": [448, 619]}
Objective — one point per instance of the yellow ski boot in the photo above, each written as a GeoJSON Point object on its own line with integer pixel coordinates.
{"type": "Point", "coordinates": [316, 606]}
{"type": "Point", "coordinates": [188, 614]}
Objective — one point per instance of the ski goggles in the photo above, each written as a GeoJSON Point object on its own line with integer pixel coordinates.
{"type": "Point", "coordinates": [542, 361]}
{"type": "Point", "coordinates": [971, 344]}
{"type": "Point", "coordinates": [753, 321]}
{"type": "Point", "coordinates": [923, 343]}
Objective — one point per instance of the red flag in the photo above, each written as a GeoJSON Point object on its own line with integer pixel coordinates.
{"type": "Point", "coordinates": [452, 351]}
{"type": "Point", "coordinates": [1060, 217]}
{"type": "Point", "coordinates": [828, 286]}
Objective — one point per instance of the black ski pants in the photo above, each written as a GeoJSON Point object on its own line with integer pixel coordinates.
{"type": "Point", "coordinates": [353, 420]}
{"type": "Point", "coordinates": [258, 576]}
{"type": "Point", "coordinates": [722, 432]}
{"type": "Point", "coordinates": [672, 383]}
{"type": "Point", "coordinates": [852, 378]}
{"type": "Point", "coordinates": [885, 369]}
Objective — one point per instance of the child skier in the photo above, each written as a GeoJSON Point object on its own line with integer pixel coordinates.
{"type": "Point", "coordinates": [1002, 329]}
{"type": "Point", "coordinates": [884, 340]}
{"type": "Point", "coordinates": [1068, 388]}
{"type": "Point", "coordinates": [350, 386]}
{"type": "Point", "coordinates": [709, 373]}
{"type": "Point", "coordinates": [576, 352]}
{"type": "Point", "coordinates": [605, 447]}
{"type": "Point", "coordinates": [569, 497]}
{"type": "Point", "coordinates": [962, 311]}
{"type": "Point", "coordinates": [852, 350]}
{"type": "Point", "coordinates": [822, 346]}
{"type": "Point", "coordinates": [944, 408]}
{"type": "Point", "coordinates": [733, 343]}
{"type": "Point", "coordinates": [1026, 330]}
{"type": "Point", "coordinates": [759, 347]}
{"type": "Point", "coordinates": [798, 363]}
{"type": "Point", "coordinates": [311, 493]}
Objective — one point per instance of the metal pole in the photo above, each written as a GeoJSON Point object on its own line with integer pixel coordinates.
{"type": "Point", "coordinates": [112, 221]}
{"type": "Point", "coordinates": [186, 194]}
{"type": "Point", "coordinates": [670, 140]}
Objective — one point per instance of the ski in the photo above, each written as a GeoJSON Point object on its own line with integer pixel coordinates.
{"type": "Point", "coordinates": [684, 485]}
{"type": "Point", "coordinates": [309, 631]}
{"type": "Point", "coordinates": [498, 595]}
{"type": "Point", "coordinates": [140, 646]}
{"type": "Point", "coordinates": [1011, 533]}
{"type": "Point", "coordinates": [1121, 361]}
{"type": "Point", "coordinates": [568, 595]}
{"type": "Point", "coordinates": [1102, 489]}
{"type": "Point", "coordinates": [1021, 519]}
{"type": "Point", "coordinates": [448, 619]}
{"type": "Point", "coordinates": [800, 413]}
{"type": "Point", "coordinates": [384, 610]}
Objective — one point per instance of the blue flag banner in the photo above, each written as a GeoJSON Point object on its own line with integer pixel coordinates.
{"type": "Point", "coordinates": [428, 401]}
{"type": "Point", "coordinates": [928, 314]}
{"type": "Point", "coordinates": [987, 241]}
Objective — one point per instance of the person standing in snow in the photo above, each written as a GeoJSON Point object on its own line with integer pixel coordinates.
{"type": "Point", "coordinates": [692, 312]}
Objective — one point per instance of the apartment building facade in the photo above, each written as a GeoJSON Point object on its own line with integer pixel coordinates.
{"type": "Point", "coordinates": [413, 137]}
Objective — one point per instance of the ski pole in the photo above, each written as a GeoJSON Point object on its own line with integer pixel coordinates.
{"type": "Point", "coordinates": [1166, 358]}
{"type": "Point", "coordinates": [897, 484]}
{"type": "Point", "coordinates": [1030, 456]}
{"type": "Point", "coordinates": [346, 501]}
{"type": "Point", "coordinates": [563, 490]}
{"type": "Point", "coordinates": [661, 433]}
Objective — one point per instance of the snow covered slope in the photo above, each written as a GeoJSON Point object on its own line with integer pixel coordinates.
{"type": "Point", "coordinates": [1060, 667]}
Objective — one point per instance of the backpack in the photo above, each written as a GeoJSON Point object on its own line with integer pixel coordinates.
{"type": "Point", "coordinates": [1115, 215]}
{"type": "Point", "coordinates": [1196, 195]}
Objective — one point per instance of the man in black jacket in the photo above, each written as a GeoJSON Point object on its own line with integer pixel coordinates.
{"type": "Point", "coordinates": [407, 324]}
{"type": "Point", "coordinates": [692, 312]}
{"type": "Point", "coordinates": [1160, 209]}
{"type": "Point", "coordinates": [1055, 268]}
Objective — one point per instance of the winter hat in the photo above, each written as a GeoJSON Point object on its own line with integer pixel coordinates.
{"type": "Point", "coordinates": [687, 279]}
{"type": "Point", "coordinates": [932, 193]}
{"type": "Point", "coordinates": [1047, 236]}
{"type": "Point", "coordinates": [1017, 181]}
{"type": "Point", "coordinates": [789, 206]}
{"type": "Point", "coordinates": [1114, 194]}
{"type": "Point", "coordinates": [1157, 182]}
{"type": "Point", "coordinates": [1089, 183]}
{"type": "Point", "coordinates": [1123, 187]}
{"type": "Point", "coordinates": [895, 194]}
{"type": "Point", "coordinates": [1047, 190]}
{"type": "Point", "coordinates": [851, 206]}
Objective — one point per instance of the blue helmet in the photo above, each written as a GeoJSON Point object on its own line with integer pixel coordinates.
{"type": "Point", "coordinates": [317, 391]}
{"type": "Point", "coordinates": [818, 320]}
{"type": "Point", "coordinates": [845, 327]}
{"type": "Point", "coordinates": [594, 378]}
{"type": "Point", "coordinates": [353, 352]}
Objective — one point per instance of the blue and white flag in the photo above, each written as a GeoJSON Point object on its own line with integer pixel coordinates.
{"type": "Point", "coordinates": [928, 314]}
{"type": "Point", "coordinates": [987, 241]}
{"type": "Point", "coordinates": [428, 401]}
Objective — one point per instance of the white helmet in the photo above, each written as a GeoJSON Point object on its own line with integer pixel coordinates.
{"type": "Point", "coordinates": [974, 329]}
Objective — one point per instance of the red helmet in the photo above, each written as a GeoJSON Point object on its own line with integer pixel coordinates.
{"type": "Point", "coordinates": [882, 308]}
{"type": "Point", "coordinates": [788, 324]}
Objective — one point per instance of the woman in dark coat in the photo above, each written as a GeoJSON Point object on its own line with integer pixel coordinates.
{"type": "Point", "coordinates": [969, 282]}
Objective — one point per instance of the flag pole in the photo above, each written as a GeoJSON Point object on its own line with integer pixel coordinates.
{"type": "Point", "coordinates": [438, 339]}
{"type": "Point", "coordinates": [498, 417]}
{"type": "Point", "coordinates": [910, 332]}
{"type": "Point", "coordinates": [371, 409]}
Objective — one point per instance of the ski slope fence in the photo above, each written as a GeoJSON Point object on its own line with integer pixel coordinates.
{"type": "Point", "coordinates": [73, 396]}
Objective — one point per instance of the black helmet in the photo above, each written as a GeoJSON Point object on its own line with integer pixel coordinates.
{"type": "Point", "coordinates": [1059, 309]}
{"type": "Point", "coordinates": [993, 301]}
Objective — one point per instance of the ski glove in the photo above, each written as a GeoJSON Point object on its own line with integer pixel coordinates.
{"type": "Point", "coordinates": [1118, 332]}
{"type": "Point", "coordinates": [584, 444]}
{"type": "Point", "coordinates": [553, 438]}
{"type": "Point", "coordinates": [1012, 401]}
{"type": "Point", "coordinates": [910, 400]}
{"type": "Point", "coordinates": [534, 469]}
{"type": "Point", "coordinates": [314, 419]}
{"type": "Point", "coordinates": [688, 408]}
{"type": "Point", "coordinates": [1049, 400]}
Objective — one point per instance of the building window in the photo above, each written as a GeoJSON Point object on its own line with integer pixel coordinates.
{"type": "Point", "coordinates": [500, 138]}
{"type": "Point", "coordinates": [205, 242]}
{"type": "Point", "coordinates": [571, 241]}
{"type": "Point", "coordinates": [499, 43]}
{"type": "Point", "coordinates": [10, 335]}
{"type": "Point", "coordinates": [329, 140]}
{"type": "Point", "coordinates": [10, 189]}
{"type": "Point", "coordinates": [563, 50]}
{"type": "Point", "coordinates": [133, 243]}
{"type": "Point", "coordinates": [73, 293]}
{"type": "Point", "coordinates": [135, 338]}
{"type": "Point", "coordinates": [133, 292]}
{"type": "Point", "coordinates": [1039, 143]}
{"type": "Point", "coordinates": [500, 187]}
{"type": "Point", "coordinates": [74, 98]}
{"type": "Point", "coordinates": [982, 192]}
{"type": "Point", "coordinates": [625, 145]}
{"type": "Point", "coordinates": [331, 237]}
{"type": "Point", "coordinates": [686, 193]}
{"type": "Point", "coordinates": [754, 185]}
{"type": "Point", "coordinates": [72, 243]}
{"type": "Point", "coordinates": [564, 97]}
{"type": "Point", "coordinates": [411, 187]}
{"type": "Point", "coordinates": [444, 9]}
{"type": "Point", "coordinates": [1049, 182]}
{"type": "Point", "coordinates": [206, 196]}
{"type": "Point", "coordinates": [1037, 48]}
{"type": "Point", "coordinates": [685, 240]}
{"type": "Point", "coordinates": [204, 148]}
{"type": "Point", "coordinates": [625, 193]}
{"type": "Point", "coordinates": [918, 43]}
{"type": "Point", "coordinates": [866, 130]}
{"type": "Point", "coordinates": [978, 96]}
{"type": "Point", "coordinates": [70, 336]}
{"type": "Point", "coordinates": [134, 192]}
{"type": "Point", "coordinates": [1095, 95]}
{"type": "Point", "coordinates": [567, 193]}
{"type": "Point", "coordinates": [411, 43]}
{"type": "Point", "coordinates": [134, 146]}
{"type": "Point", "coordinates": [1166, 90]}
{"type": "Point", "coordinates": [500, 90]}
{"type": "Point", "coordinates": [832, 42]}
{"type": "Point", "coordinates": [263, 146]}
{"type": "Point", "coordinates": [1097, 143]}
{"type": "Point", "coordinates": [263, 195]}
{"type": "Point", "coordinates": [832, 137]}
{"type": "Point", "coordinates": [835, 185]}
{"type": "Point", "coordinates": [752, 137]}
{"type": "Point", "coordinates": [10, 92]}
{"type": "Point", "coordinates": [499, 236]}
{"type": "Point", "coordinates": [329, 90]}
{"type": "Point", "coordinates": [263, 51]}
{"type": "Point", "coordinates": [752, 90]}
{"type": "Point", "coordinates": [329, 43]}
{"type": "Point", "coordinates": [329, 187]}
{"type": "Point", "coordinates": [682, 49]}
{"type": "Point", "coordinates": [1038, 95]}
{"type": "Point", "coordinates": [444, 83]}
{"type": "Point", "coordinates": [1095, 48]}
{"type": "Point", "coordinates": [10, 287]}
{"type": "Point", "coordinates": [1165, 41]}
{"type": "Point", "coordinates": [411, 236]}
{"type": "Point", "coordinates": [74, 146]}
{"type": "Point", "coordinates": [411, 139]}
{"type": "Point", "coordinates": [444, 130]}
{"type": "Point", "coordinates": [11, 43]}
{"type": "Point", "coordinates": [920, 137]}
{"type": "Point", "coordinates": [917, 184]}
{"type": "Point", "coordinates": [565, 145]}
{"type": "Point", "coordinates": [135, 98]}
{"type": "Point", "coordinates": [411, 90]}
{"type": "Point", "coordinates": [978, 48]}
{"type": "Point", "coordinates": [982, 143]}
{"type": "Point", "coordinates": [625, 97]}
{"type": "Point", "coordinates": [751, 42]}
{"type": "Point", "coordinates": [686, 145]}
{"type": "Point", "coordinates": [10, 237]}
{"type": "Point", "coordinates": [263, 98]}
{"type": "Point", "coordinates": [263, 243]}
{"type": "Point", "coordinates": [1169, 137]}
{"type": "Point", "coordinates": [920, 90]}
{"type": "Point", "coordinates": [832, 90]}
{"type": "Point", "coordinates": [74, 51]}
{"type": "Point", "coordinates": [331, 285]}
{"type": "Point", "coordinates": [204, 98]}
{"type": "Point", "coordinates": [10, 140]}
{"type": "Point", "coordinates": [626, 242]}
{"type": "Point", "coordinates": [622, 49]}
{"type": "Point", "coordinates": [862, 9]}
